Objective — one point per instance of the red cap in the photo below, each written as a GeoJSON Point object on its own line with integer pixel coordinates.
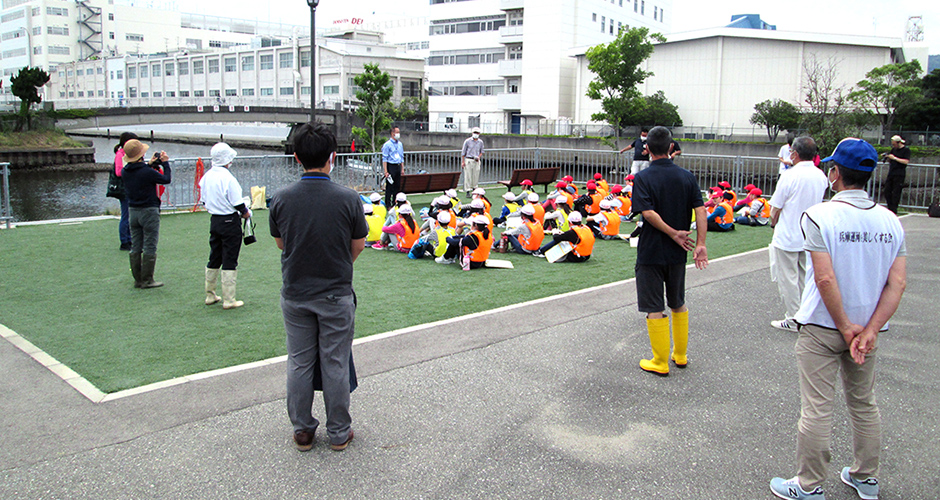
{"type": "Point", "coordinates": [716, 189]}
{"type": "Point", "coordinates": [591, 185]}
{"type": "Point", "coordinates": [749, 188]}
{"type": "Point", "coordinates": [567, 178]}
{"type": "Point", "coordinates": [561, 185]}
{"type": "Point", "coordinates": [598, 176]}
{"type": "Point", "coordinates": [725, 184]}
{"type": "Point", "coordinates": [629, 177]}
{"type": "Point", "coordinates": [756, 192]}
{"type": "Point", "coordinates": [526, 182]}
{"type": "Point", "coordinates": [616, 189]}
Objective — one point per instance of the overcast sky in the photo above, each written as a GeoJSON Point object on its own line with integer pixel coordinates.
{"type": "Point", "coordinates": [862, 17]}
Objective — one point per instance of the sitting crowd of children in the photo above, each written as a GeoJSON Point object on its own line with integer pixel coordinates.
{"type": "Point", "coordinates": [725, 210]}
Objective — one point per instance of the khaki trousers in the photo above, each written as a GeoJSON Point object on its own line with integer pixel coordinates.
{"type": "Point", "coordinates": [471, 175]}
{"type": "Point", "coordinates": [821, 353]}
{"type": "Point", "coordinates": [788, 270]}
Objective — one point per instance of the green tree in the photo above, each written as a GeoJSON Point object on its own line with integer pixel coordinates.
{"type": "Point", "coordinates": [375, 94]}
{"type": "Point", "coordinates": [824, 117]}
{"type": "Point", "coordinates": [886, 88]}
{"type": "Point", "coordinates": [775, 115]}
{"type": "Point", "coordinates": [617, 69]}
{"type": "Point", "coordinates": [25, 85]}
{"type": "Point", "coordinates": [653, 110]}
{"type": "Point", "coordinates": [922, 113]}
{"type": "Point", "coordinates": [412, 109]}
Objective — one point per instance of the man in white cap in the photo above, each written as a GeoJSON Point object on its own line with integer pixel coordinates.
{"type": "Point", "coordinates": [858, 261]}
{"type": "Point", "coordinates": [470, 156]}
{"type": "Point", "coordinates": [898, 158]}
{"type": "Point", "coordinates": [222, 196]}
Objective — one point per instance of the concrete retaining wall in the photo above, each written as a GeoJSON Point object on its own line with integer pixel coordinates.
{"type": "Point", "coordinates": [25, 158]}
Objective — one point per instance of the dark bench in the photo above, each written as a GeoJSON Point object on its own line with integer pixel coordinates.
{"type": "Point", "coordinates": [425, 183]}
{"type": "Point", "coordinates": [538, 176]}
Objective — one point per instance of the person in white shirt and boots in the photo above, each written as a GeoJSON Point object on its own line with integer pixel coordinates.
{"type": "Point", "coordinates": [800, 187]}
{"type": "Point", "coordinates": [222, 196]}
{"type": "Point", "coordinates": [858, 263]}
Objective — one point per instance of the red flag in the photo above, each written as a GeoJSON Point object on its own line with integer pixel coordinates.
{"type": "Point", "coordinates": [353, 145]}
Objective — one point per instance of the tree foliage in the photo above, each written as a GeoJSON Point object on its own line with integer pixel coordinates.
{"type": "Point", "coordinates": [775, 115]}
{"type": "Point", "coordinates": [25, 85]}
{"type": "Point", "coordinates": [653, 110]}
{"type": "Point", "coordinates": [411, 109]}
{"type": "Point", "coordinates": [825, 116]}
{"type": "Point", "coordinates": [618, 72]}
{"type": "Point", "coordinates": [886, 88]}
{"type": "Point", "coordinates": [922, 113]}
{"type": "Point", "coordinates": [375, 94]}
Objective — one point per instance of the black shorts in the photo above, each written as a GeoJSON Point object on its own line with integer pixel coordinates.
{"type": "Point", "coordinates": [650, 281]}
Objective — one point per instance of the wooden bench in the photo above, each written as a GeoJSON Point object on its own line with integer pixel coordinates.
{"type": "Point", "coordinates": [538, 176]}
{"type": "Point", "coordinates": [425, 183]}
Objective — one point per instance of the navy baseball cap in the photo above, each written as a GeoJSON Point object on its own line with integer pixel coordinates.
{"type": "Point", "coordinates": [855, 154]}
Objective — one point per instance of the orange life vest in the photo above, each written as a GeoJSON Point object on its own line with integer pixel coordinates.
{"type": "Point", "coordinates": [625, 205]}
{"type": "Point", "coordinates": [765, 209]}
{"type": "Point", "coordinates": [734, 199]}
{"type": "Point", "coordinates": [603, 186]}
{"type": "Point", "coordinates": [728, 217]}
{"type": "Point", "coordinates": [585, 241]}
{"type": "Point", "coordinates": [453, 219]}
{"type": "Point", "coordinates": [595, 206]}
{"type": "Point", "coordinates": [612, 228]}
{"type": "Point", "coordinates": [533, 242]}
{"type": "Point", "coordinates": [410, 237]}
{"type": "Point", "coordinates": [484, 245]}
{"type": "Point", "coordinates": [539, 212]}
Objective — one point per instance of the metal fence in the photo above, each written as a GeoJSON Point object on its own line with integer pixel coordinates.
{"type": "Point", "coordinates": [363, 172]}
{"type": "Point", "coordinates": [6, 213]}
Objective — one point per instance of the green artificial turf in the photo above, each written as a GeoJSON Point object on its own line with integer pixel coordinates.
{"type": "Point", "coordinates": [68, 290]}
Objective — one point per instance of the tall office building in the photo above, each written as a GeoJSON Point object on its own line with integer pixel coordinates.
{"type": "Point", "coordinates": [504, 65]}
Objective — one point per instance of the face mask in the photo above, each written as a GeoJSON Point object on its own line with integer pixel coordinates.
{"type": "Point", "coordinates": [476, 136]}
{"type": "Point", "coordinates": [397, 136]}
{"type": "Point", "coordinates": [830, 181]}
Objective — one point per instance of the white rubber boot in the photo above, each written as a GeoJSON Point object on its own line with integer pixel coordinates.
{"type": "Point", "coordinates": [228, 290]}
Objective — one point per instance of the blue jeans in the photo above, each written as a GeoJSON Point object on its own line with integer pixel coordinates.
{"type": "Point", "coordinates": [124, 227]}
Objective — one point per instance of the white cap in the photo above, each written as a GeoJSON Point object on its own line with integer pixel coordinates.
{"type": "Point", "coordinates": [406, 209]}
{"type": "Point", "coordinates": [605, 203]}
{"type": "Point", "coordinates": [478, 191]}
{"type": "Point", "coordinates": [561, 199]}
{"type": "Point", "coordinates": [476, 130]}
{"type": "Point", "coordinates": [533, 197]}
{"type": "Point", "coordinates": [367, 208]}
{"type": "Point", "coordinates": [375, 197]}
{"type": "Point", "coordinates": [222, 154]}
{"type": "Point", "coordinates": [451, 193]}
{"type": "Point", "coordinates": [479, 219]}
{"type": "Point", "coordinates": [574, 217]}
{"type": "Point", "coordinates": [509, 196]}
{"type": "Point", "coordinates": [401, 197]}
{"type": "Point", "coordinates": [443, 217]}
{"type": "Point", "coordinates": [615, 203]}
{"type": "Point", "coordinates": [442, 201]}
{"type": "Point", "coordinates": [477, 204]}
{"type": "Point", "coordinates": [527, 210]}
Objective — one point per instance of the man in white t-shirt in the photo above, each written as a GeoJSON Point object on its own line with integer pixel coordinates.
{"type": "Point", "coordinates": [784, 154]}
{"type": "Point", "coordinates": [800, 187]}
{"type": "Point", "coordinates": [857, 259]}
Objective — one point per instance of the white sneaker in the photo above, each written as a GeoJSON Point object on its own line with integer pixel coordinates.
{"type": "Point", "coordinates": [787, 325]}
{"type": "Point", "coordinates": [442, 260]}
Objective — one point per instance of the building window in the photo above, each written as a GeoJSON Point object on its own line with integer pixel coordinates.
{"type": "Point", "coordinates": [111, 35]}
{"type": "Point", "coordinates": [171, 93]}
{"type": "Point", "coordinates": [248, 63]}
{"type": "Point", "coordinates": [410, 88]}
{"type": "Point", "coordinates": [62, 95]}
{"type": "Point", "coordinates": [56, 30]}
{"type": "Point", "coordinates": [198, 67]}
{"type": "Point", "coordinates": [71, 94]}
{"type": "Point", "coordinates": [155, 69]}
{"type": "Point", "coordinates": [636, 4]}
{"type": "Point", "coordinates": [100, 93]}
{"type": "Point", "coordinates": [214, 93]}
{"type": "Point", "coordinates": [611, 26]}
{"type": "Point", "coordinates": [37, 30]}
{"type": "Point", "coordinates": [184, 93]}
{"type": "Point", "coordinates": [515, 52]}
{"type": "Point", "coordinates": [110, 16]}
{"type": "Point", "coordinates": [144, 95]}
{"type": "Point", "coordinates": [642, 7]}
{"type": "Point", "coordinates": [194, 43]}
{"type": "Point", "coordinates": [594, 17]}
{"type": "Point", "coordinates": [266, 61]}
{"type": "Point", "coordinates": [120, 74]}
{"type": "Point", "coordinates": [183, 68]}
{"type": "Point", "coordinates": [168, 68]}
{"type": "Point", "coordinates": [305, 90]}
{"type": "Point", "coordinates": [267, 91]}
{"type": "Point", "coordinates": [143, 71]}
{"type": "Point", "coordinates": [230, 64]}
{"type": "Point", "coordinates": [199, 93]}
{"type": "Point", "coordinates": [330, 89]}
{"type": "Point", "coordinates": [515, 18]}
{"type": "Point", "coordinates": [35, 12]}
{"type": "Point", "coordinates": [213, 66]}
{"type": "Point", "coordinates": [286, 60]}
{"type": "Point", "coordinates": [450, 27]}
{"type": "Point", "coordinates": [661, 12]}
{"type": "Point", "coordinates": [287, 90]}
{"type": "Point", "coordinates": [100, 71]}
{"type": "Point", "coordinates": [37, 50]}
{"type": "Point", "coordinates": [603, 23]}
{"type": "Point", "coordinates": [158, 94]}
{"type": "Point", "coordinates": [132, 92]}
{"type": "Point", "coordinates": [248, 92]}
{"type": "Point", "coordinates": [131, 72]}
{"type": "Point", "coordinates": [215, 44]}
{"type": "Point", "coordinates": [56, 11]}
{"type": "Point", "coordinates": [81, 93]}
{"type": "Point", "coordinates": [134, 37]}
{"type": "Point", "coordinates": [304, 59]}
{"type": "Point", "coordinates": [231, 92]}
{"type": "Point", "coordinates": [112, 75]}
{"type": "Point", "coordinates": [62, 51]}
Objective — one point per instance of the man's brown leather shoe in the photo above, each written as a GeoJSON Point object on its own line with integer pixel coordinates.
{"type": "Point", "coordinates": [342, 446]}
{"type": "Point", "coordinates": [304, 440]}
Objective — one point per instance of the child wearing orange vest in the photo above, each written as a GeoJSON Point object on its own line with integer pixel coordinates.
{"type": "Point", "coordinates": [580, 236]}
{"type": "Point", "coordinates": [474, 247]}
{"type": "Point", "coordinates": [602, 186]}
{"type": "Point", "coordinates": [404, 233]}
{"type": "Point", "coordinates": [527, 238]}
{"type": "Point", "coordinates": [605, 225]}
{"type": "Point", "coordinates": [722, 218]}
{"type": "Point", "coordinates": [758, 212]}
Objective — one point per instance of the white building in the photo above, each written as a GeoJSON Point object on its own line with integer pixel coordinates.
{"type": "Point", "coordinates": [242, 75]}
{"type": "Point", "coordinates": [47, 33]}
{"type": "Point", "coordinates": [716, 76]}
{"type": "Point", "coordinates": [505, 64]}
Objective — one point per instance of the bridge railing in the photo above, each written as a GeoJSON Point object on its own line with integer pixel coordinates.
{"type": "Point", "coordinates": [363, 171]}
{"type": "Point", "coordinates": [223, 102]}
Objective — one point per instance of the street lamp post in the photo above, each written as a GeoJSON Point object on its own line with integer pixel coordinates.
{"type": "Point", "coordinates": [313, 57]}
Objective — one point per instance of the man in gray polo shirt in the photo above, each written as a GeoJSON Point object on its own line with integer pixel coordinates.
{"type": "Point", "coordinates": [320, 228]}
{"type": "Point", "coordinates": [470, 156]}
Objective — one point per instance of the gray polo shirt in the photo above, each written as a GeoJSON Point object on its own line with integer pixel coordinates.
{"type": "Point", "coordinates": [317, 220]}
{"type": "Point", "coordinates": [472, 149]}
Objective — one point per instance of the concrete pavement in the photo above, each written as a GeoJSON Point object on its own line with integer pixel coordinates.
{"type": "Point", "coordinates": [543, 400]}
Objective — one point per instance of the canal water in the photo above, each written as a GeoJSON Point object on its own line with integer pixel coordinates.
{"type": "Point", "coordinates": [44, 195]}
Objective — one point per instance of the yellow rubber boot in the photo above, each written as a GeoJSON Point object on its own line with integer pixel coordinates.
{"type": "Point", "coordinates": [659, 341]}
{"type": "Point", "coordinates": [680, 338]}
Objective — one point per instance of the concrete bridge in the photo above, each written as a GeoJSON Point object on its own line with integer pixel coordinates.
{"type": "Point", "coordinates": [218, 113]}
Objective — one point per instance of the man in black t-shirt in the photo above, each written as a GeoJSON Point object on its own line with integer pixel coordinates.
{"type": "Point", "coordinates": [666, 195]}
{"type": "Point", "coordinates": [641, 157]}
{"type": "Point", "coordinates": [898, 158]}
{"type": "Point", "coordinates": [321, 229]}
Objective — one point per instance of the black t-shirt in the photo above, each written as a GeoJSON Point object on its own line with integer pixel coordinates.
{"type": "Point", "coordinates": [673, 193]}
{"type": "Point", "coordinates": [639, 146]}
{"type": "Point", "coordinates": [897, 168]}
{"type": "Point", "coordinates": [675, 146]}
{"type": "Point", "coordinates": [317, 220]}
